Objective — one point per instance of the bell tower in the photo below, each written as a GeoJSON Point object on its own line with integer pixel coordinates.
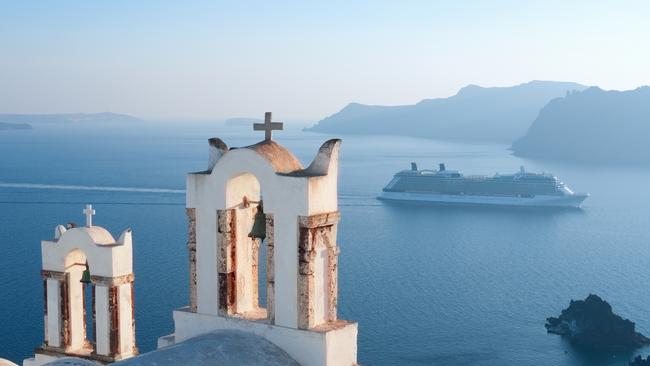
{"type": "Point", "coordinates": [80, 262]}
{"type": "Point", "coordinates": [260, 198]}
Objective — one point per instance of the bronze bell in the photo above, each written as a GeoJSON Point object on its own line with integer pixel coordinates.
{"type": "Point", "coordinates": [259, 224]}
{"type": "Point", "coordinates": [85, 276]}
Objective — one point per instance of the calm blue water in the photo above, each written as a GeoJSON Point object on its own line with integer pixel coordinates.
{"type": "Point", "coordinates": [428, 285]}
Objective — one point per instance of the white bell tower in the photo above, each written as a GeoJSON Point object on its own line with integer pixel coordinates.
{"type": "Point", "coordinates": [78, 258]}
{"type": "Point", "coordinates": [300, 215]}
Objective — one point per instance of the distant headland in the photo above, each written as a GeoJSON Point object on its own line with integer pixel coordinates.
{"type": "Point", "coordinates": [14, 126]}
{"type": "Point", "coordinates": [594, 125]}
{"type": "Point", "coordinates": [475, 113]}
{"type": "Point", "coordinates": [86, 118]}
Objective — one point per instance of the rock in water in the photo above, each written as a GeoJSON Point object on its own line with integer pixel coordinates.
{"type": "Point", "coordinates": [640, 361]}
{"type": "Point", "coordinates": [591, 323]}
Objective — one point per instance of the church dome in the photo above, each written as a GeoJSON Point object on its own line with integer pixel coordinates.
{"type": "Point", "coordinates": [95, 234]}
{"type": "Point", "coordinates": [99, 235]}
{"type": "Point", "coordinates": [72, 361]}
{"type": "Point", "coordinates": [282, 159]}
{"type": "Point", "coordinates": [224, 347]}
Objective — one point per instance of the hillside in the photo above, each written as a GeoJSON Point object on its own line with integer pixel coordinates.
{"type": "Point", "coordinates": [591, 126]}
{"type": "Point", "coordinates": [495, 114]}
{"type": "Point", "coordinates": [106, 117]}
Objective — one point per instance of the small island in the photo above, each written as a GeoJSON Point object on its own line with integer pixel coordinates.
{"type": "Point", "coordinates": [4, 126]}
{"type": "Point", "coordinates": [591, 323]}
{"type": "Point", "coordinates": [86, 118]}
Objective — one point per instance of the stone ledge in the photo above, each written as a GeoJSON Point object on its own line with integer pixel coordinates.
{"type": "Point", "coordinates": [318, 220]}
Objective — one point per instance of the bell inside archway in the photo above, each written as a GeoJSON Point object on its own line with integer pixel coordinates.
{"type": "Point", "coordinates": [259, 225]}
{"type": "Point", "coordinates": [85, 276]}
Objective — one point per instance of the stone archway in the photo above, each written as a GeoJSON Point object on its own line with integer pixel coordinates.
{"type": "Point", "coordinates": [73, 304]}
{"type": "Point", "coordinates": [238, 255]}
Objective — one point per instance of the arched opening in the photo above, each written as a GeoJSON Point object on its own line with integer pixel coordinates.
{"type": "Point", "coordinates": [77, 304]}
{"type": "Point", "coordinates": [244, 280]}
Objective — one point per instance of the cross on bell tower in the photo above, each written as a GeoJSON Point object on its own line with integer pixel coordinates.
{"type": "Point", "coordinates": [89, 212]}
{"type": "Point", "coordinates": [268, 127]}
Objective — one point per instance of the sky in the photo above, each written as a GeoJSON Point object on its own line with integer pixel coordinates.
{"type": "Point", "coordinates": [303, 60]}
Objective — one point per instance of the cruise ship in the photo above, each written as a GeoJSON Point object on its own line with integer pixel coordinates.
{"type": "Point", "coordinates": [452, 187]}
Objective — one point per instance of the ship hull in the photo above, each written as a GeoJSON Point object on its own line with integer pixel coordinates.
{"type": "Point", "coordinates": [573, 200]}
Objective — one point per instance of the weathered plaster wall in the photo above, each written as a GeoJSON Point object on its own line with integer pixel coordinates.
{"type": "Point", "coordinates": [336, 347]}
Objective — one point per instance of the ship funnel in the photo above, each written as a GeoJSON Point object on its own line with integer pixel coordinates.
{"type": "Point", "coordinates": [414, 167]}
{"type": "Point", "coordinates": [442, 167]}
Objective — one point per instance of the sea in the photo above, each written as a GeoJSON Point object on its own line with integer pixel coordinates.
{"type": "Point", "coordinates": [428, 285]}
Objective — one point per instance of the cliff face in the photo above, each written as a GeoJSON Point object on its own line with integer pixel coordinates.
{"type": "Point", "coordinates": [474, 114]}
{"type": "Point", "coordinates": [591, 323]}
{"type": "Point", "coordinates": [593, 126]}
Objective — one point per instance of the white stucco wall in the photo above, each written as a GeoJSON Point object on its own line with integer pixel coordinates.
{"type": "Point", "coordinates": [105, 256]}
{"type": "Point", "coordinates": [53, 314]}
{"type": "Point", "coordinates": [331, 348]}
{"type": "Point", "coordinates": [102, 320]}
{"type": "Point", "coordinates": [126, 320]}
{"type": "Point", "coordinates": [207, 286]}
{"type": "Point", "coordinates": [76, 303]}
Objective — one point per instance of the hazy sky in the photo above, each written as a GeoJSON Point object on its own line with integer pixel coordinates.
{"type": "Point", "coordinates": [302, 59]}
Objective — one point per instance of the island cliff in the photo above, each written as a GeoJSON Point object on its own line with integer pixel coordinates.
{"type": "Point", "coordinates": [591, 323]}
{"type": "Point", "coordinates": [497, 114]}
{"type": "Point", "coordinates": [594, 126]}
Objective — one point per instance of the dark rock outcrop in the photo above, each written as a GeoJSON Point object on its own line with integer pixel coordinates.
{"type": "Point", "coordinates": [640, 361]}
{"type": "Point", "coordinates": [591, 323]}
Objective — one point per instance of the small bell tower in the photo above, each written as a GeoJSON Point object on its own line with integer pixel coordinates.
{"type": "Point", "coordinates": [261, 197]}
{"type": "Point", "coordinates": [77, 262]}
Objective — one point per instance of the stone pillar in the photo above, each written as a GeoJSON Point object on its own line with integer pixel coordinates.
{"type": "Point", "coordinates": [191, 246]}
{"type": "Point", "coordinates": [227, 260]}
{"type": "Point", "coordinates": [102, 322]}
{"type": "Point", "coordinates": [54, 307]}
{"type": "Point", "coordinates": [317, 269]}
{"type": "Point", "coordinates": [333, 281]}
{"type": "Point", "coordinates": [270, 269]}
{"type": "Point", "coordinates": [115, 323]}
{"type": "Point", "coordinates": [45, 342]}
{"type": "Point", "coordinates": [65, 327]}
{"type": "Point", "coordinates": [76, 322]}
{"type": "Point", "coordinates": [255, 259]}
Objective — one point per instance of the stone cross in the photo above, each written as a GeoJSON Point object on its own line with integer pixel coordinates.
{"type": "Point", "coordinates": [267, 126]}
{"type": "Point", "coordinates": [89, 212]}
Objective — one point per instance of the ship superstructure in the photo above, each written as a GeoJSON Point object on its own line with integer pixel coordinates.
{"type": "Point", "coordinates": [451, 186]}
